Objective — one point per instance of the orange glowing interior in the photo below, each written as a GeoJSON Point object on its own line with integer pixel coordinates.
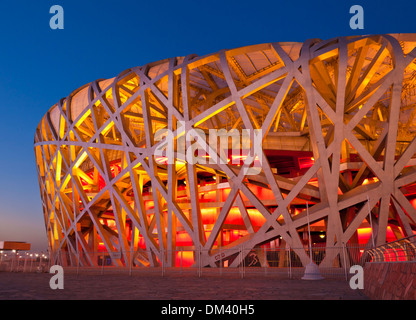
{"type": "Point", "coordinates": [234, 226]}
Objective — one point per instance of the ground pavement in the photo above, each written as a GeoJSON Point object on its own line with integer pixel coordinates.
{"type": "Point", "coordinates": [35, 286]}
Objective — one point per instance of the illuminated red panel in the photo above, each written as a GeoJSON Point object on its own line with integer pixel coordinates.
{"type": "Point", "coordinates": [261, 193]}
{"type": "Point", "coordinates": [141, 243]}
{"type": "Point", "coordinates": [234, 217]}
{"type": "Point", "coordinates": [409, 190]}
{"type": "Point", "coordinates": [306, 162]}
{"type": "Point", "coordinates": [187, 258]}
{"type": "Point", "coordinates": [396, 254]}
{"type": "Point", "coordinates": [101, 247]}
{"type": "Point", "coordinates": [256, 218]}
{"type": "Point", "coordinates": [364, 235]}
{"type": "Point", "coordinates": [208, 196]}
{"type": "Point", "coordinates": [225, 193]}
{"type": "Point", "coordinates": [148, 205]}
{"type": "Point", "coordinates": [209, 215]}
{"type": "Point", "coordinates": [183, 239]}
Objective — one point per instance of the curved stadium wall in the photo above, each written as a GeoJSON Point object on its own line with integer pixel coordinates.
{"type": "Point", "coordinates": [331, 127]}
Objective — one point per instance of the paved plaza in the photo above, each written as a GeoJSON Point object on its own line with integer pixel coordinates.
{"type": "Point", "coordinates": [35, 286]}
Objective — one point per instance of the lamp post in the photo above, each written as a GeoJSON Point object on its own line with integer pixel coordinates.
{"type": "Point", "coordinates": [311, 270]}
{"type": "Point", "coordinates": [371, 221]}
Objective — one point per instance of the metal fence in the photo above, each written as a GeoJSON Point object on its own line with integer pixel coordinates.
{"type": "Point", "coordinates": [400, 250]}
{"type": "Point", "coordinates": [283, 262]}
{"type": "Point", "coordinates": [269, 262]}
{"type": "Point", "coordinates": [23, 262]}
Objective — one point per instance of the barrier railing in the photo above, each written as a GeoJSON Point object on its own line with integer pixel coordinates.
{"type": "Point", "coordinates": [334, 262]}
{"type": "Point", "coordinates": [23, 262]}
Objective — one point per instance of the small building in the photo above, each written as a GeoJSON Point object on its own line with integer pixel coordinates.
{"type": "Point", "coordinates": [14, 245]}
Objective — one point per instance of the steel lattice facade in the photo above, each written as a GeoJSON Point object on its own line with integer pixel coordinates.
{"type": "Point", "coordinates": [337, 121]}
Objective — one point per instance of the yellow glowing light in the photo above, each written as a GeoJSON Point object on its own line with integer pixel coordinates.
{"type": "Point", "coordinates": [80, 159]}
{"type": "Point", "coordinates": [83, 117]}
{"type": "Point", "coordinates": [107, 128]}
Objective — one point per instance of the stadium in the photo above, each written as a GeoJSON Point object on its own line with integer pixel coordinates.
{"type": "Point", "coordinates": [317, 145]}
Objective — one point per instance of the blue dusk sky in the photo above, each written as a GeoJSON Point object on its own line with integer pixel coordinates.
{"type": "Point", "coordinates": [100, 39]}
